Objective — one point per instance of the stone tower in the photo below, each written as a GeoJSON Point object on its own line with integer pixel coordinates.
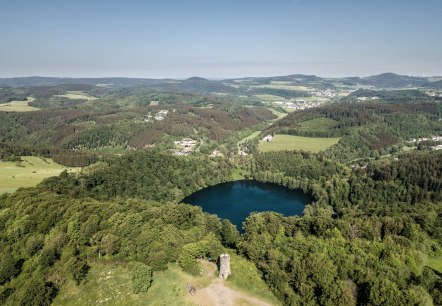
{"type": "Point", "coordinates": [224, 266]}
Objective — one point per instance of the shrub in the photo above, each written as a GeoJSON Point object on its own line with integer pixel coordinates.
{"type": "Point", "coordinates": [141, 275]}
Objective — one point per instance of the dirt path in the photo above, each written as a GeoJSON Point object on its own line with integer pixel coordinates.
{"type": "Point", "coordinates": [217, 293]}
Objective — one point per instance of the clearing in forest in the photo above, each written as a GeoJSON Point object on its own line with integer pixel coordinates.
{"type": "Point", "coordinates": [18, 106]}
{"type": "Point", "coordinates": [27, 173]}
{"type": "Point", "coordinates": [77, 95]}
{"type": "Point", "coordinates": [110, 284]}
{"type": "Point", "coordinates": [288, 142]}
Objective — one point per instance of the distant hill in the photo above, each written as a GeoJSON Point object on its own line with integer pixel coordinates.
{"type": "Point", "coordinates": [53, 81]}
{"type": "Point", "coordinates": [435, 85]}
{"type": "Point", "coordinates": [200, 85]}
{"type": "Point", "coordinates": [294, 79]}
{"type": "Point", "coordinates": [389, 80]}
{"type": "Point", "coordinates": [196, 85]}
{"type": "Point", "coordinates": [390, 96]}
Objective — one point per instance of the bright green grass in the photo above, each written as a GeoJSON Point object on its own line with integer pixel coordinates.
{"type": "Point", "coordinates": [318, 124]}
{"type": "Point", "coordinates": [111, 285]}
{"type": "Point", "coordinates": [250, 137]}
{"type": "Point", "coordinates": [436, 263]}
{"type": "Point", "coordinates": [18, 106]}
{"type": "Point", "coordinates": [279, 114]}
{"type": "Point", "coordinates": [238, 174]}
{"type": "Point", "coordinates": [28, 173]}
{"type": "Point", "coordinates": [288, 142]}
{"type": "Point", "coordinates": [276, 85]}
{"type": "Point", "coordinates": [269, 98]}
{"type": "Point", "coordinates": [77, 95]}
{"type": "Point", "coordinates": [246, 277]}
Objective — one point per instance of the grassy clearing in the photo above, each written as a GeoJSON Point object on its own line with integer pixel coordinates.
{"type": "Point", "coordinates": [279, 114]}
{"type": "Point", "coordinates": [281, 85]}
{"type": "Point", "coordinates": [250, 137]}
{"type": "Point", "coordinates": [18, 106]}
{"type": "Point", "coordinates": [153, 103]}
{"type": "Point", "coordinates": [111, 285]}
{"type": "Point", "coordinates": [436, 263]}
{"type": "Point", "coordinates": [246, 277]}
{"type": "Point", "coordinates": [317, 125]}
{"type": "Point", "coordinates": [238, 174]}
{"type": "Point", "coordinates": [269, 98]}
{"type": "Point", "coordinates": [108, 284]}
{"type": "Point", "coordinates": [288, 142]}
{"type": "Point", "coordinates": [77, 95]}
{"type": "Point", "coordinates": [28, 173]}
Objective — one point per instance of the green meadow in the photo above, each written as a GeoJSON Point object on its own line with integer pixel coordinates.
{"type": "Point", "coordinates": [27, 173]}
{"type": "Point", "coordinates": [436, 263]}
{"type": "Point", "coordinates": [18, 106]}
{"type": "Point", "coordinates": [110, 284]}
{"type": "Point", "coordinates": [287, 142]}
{"type": "Point", "coordinates": [77, 95]}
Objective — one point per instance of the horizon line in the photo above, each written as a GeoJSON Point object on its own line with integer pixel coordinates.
{"type": "Point", "coordinates": [214, 77]}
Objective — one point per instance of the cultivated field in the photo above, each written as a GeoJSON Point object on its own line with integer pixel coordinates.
{"type": "Point", "coordinates": [77, 95]}
{"type": "Point", "coordinates": [18, 106]}
{"type": "Point", "coordinates": [269, 98]}
{"type": "Point", "coordinates": [28, 173]}
{"type": "Point", "coordinates": [288, 142]}
{"type": "Point", "coordinates": [284, 85]}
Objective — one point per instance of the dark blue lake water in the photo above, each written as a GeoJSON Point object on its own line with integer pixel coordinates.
{"type": "Point", "coordinates": [236, 200]}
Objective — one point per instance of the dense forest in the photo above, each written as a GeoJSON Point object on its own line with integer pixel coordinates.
{"type": "Point", "coordinates": [364, 240]}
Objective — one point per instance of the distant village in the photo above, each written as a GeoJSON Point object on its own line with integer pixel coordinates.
{"type": "Point", "coordinates": [299, 104]}
{"type": "Point", "coordinates": [185, 146]}
{"type": "Point", "coordinates": [436, 139]}
{"type": "Point", "coordinates": [157, 117]}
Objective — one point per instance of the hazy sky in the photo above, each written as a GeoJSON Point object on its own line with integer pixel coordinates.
{"type": "Point", "coordinates": [219, 38]}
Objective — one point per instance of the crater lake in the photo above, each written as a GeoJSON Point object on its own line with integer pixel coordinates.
{"type": "Point", "coordinates": [236, 200]}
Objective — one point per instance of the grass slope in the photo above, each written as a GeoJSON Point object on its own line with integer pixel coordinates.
{"type": "Point", "coordinates": [288, 142]}
{"type": "Point", "coordinates": [110, 284]}
{"type": "Point", "coordinates": [18, 106]}
{"type": "Point", "coordinates": [77, 95]}
{"type": "Point", "coordinates": [246, 277]}
{"type": "Point", "coordinates": [435, 263]}
{"type": "Point", "coordinates": [28, 173]}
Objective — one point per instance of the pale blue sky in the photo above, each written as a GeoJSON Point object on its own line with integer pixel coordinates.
{"type": "Point", "coordinates": [229, 38]}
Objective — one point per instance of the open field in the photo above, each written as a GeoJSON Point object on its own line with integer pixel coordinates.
{"type": "Point", "coordinates": [436, 263]}
{"type": "Point", "coordinates": [251, 136]}
{"type": "Point", "coordinates": [28, 173]}
{"type": "Point", "coordinates": [281, 85]}
{"type": "Point", "coordinates": [279, 114]}
{"type": "Point", "coordinates": [269, 98]}
{"type": "Point", "coordinates": [77, 95]}
{"type": "Point", "coordinates": [153, 103]}
{"type": "Point", "coordinates": [18, 106]}
{"type": "Point", "coordinates": [288, 142]}
{"type": "Point", "coordinates": [317, 125]}
{"type": "Point", "coordinates": [110, 284]}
